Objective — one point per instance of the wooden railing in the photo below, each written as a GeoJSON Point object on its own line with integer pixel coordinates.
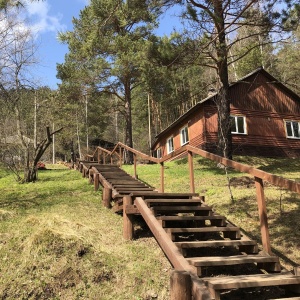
{"type": "Point", "coordinates": [259, 176]}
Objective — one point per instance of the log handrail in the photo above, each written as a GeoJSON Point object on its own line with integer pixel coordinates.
{"type": "Point", "coordinates": [271, 178]}
{"type": "Point", "coordinates": [259, 177]}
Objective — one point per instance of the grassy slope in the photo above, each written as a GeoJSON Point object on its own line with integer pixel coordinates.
{"type": "Point", "coordinates": [58, 242]}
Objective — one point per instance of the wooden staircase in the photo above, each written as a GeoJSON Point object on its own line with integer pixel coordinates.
{"type": "Point", "coordinates": [215, 250]}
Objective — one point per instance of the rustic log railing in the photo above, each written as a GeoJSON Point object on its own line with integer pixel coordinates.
{"type": "Point", "coordinates": [259, 176]}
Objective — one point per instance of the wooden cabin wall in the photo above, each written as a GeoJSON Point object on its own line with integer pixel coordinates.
{"type": "Point", "coordinates": [264, 103]}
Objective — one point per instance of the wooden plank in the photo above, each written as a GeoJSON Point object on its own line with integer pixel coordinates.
{"type": "Point", "coordinates": [228, 232]}
{"type": "Point", "coordinates": [242, 281]}
{"type": "Point", "coordinates": [218, 243]}
{"type": "Point", "coordinates": [190, 218]}
{"type": "Point", "coordinates": [175, 195]}
{"type": "Point", "coordinates": [182, 208]}
{"type": "Point", "coordinates": [231, 260]}
{"type": "Point", "coordinates": [159, 201]}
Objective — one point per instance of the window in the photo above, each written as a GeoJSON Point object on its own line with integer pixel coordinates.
{"type": "Point", "coordinates": [238, 124]}
{"type": "Point", "coordinates": [157, 153]}
{"type": "Point", "coordinates": [170, 145]}
{"type": "Point", "coordinates": [184, 135]}
{"type": "Point", "coordinates": [292, 129]}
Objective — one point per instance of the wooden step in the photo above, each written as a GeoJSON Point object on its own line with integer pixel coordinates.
{"type": "Point", "coordinates": [199, 220]}
{"type": "Point", "coordinates": [228, 232]}
{"type": "Point", "coordinates": [123, 181]}
{"type": "Point", "coordinates": [247, 246]}
{"type": "Point", "coordinates": [171, 201]}
{"type": "Point", "coordinates": [269, 263]}
{"type": "Point", "coordinates": [129, 185]}
{"type": "Point", "coordinates": [138, 188]}
{"type": "Point", "coordinates": [216, 284]}
{"type": "Point", "coordinates": [169, 196]}
{"type": "Point", "coordinates": [198, 209]}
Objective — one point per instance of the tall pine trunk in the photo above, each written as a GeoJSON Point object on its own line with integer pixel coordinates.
{"type": "Point", "coordinates": [223, 101]}
{"type": "Point", "coordinates": [128, 121]}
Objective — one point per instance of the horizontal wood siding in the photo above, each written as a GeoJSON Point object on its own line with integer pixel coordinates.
{"type": "Point", "coordinates": [259, 94]}
{"type": "Point", "coordinates": [265, 104]}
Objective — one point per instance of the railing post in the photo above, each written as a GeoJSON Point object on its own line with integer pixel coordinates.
{"type": "Point", "coordinates": [127, 219]}
{"type": "Point", "coordinates": [134, 165]}
{"type": "Point", "coordinates": [262, 212]}
{"type": "Point", "coordinates": [104, 158]}
{"type": "Point", "coordinates": [162, 178]}
{"type": "Point", "coordinates": [120, 153]}
{"type": "Point", "coordinates": [111, 159]}
{"type": "Point", "coordinates": [180, 285]}
{"type": "Point", "coordinates": [106, 196]}
{"type": "Point", "coordinates": [191, 171]}
{"type": "Point", "coordinates": [96, 181]}
{"type": "Point", "coordinates": [98, 156]}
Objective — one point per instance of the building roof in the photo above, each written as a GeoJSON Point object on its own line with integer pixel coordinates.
{"type": "Point", "coordinates": [211, 96]}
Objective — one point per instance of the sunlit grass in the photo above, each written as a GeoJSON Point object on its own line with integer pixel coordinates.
{"type": "Point", "coordinates": [57, 241]}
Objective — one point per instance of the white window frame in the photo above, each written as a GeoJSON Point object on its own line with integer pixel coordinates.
{"type": "Point", "coordinates": [294, 135]}
{"type": "Point", "coordinates": [235, 119]}
{"type": "Point", "coordinates": [169, 148]}
{"type": "Point", "coordinates": [184, 135]}
{"type": "Point", "coordinates": [158, 153]}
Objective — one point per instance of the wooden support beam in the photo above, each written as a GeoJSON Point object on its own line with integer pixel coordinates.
{"type": "Point", "coordinates": [262, 212]}
{"type": "Point", "coordinates": [162, 178]}
{"type": "Point", "coordinates": [191, 171]}
{"type": "Point", "coordinates": [96, 181]}
{"type": "Point", "coordinates": [106, 196]}
{"type": "Point", "coordinates": [180, 285]}
{"type": "Point", "coordinates": [134, 165]}
{"type": "Point", "coordinates": [120, 155]}
{"type": "Point", "coordinates": [127, 219]}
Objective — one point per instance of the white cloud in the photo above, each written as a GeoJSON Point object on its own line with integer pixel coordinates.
{"type": "Point", "coordinates": [41, 20]}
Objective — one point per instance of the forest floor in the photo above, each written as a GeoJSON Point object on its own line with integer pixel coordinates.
{"type": "Point", "coordinates": [57, 241]}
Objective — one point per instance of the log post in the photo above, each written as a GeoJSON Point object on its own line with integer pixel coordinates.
{"type": "Point", "coordinates": [120, 153]}
{"type": "Point", "coordinates": [96, 181]}
{"type": "Point", "coordinates": [162, 178]}
{"type": "Point", "coordinates": [191, 171]}
{"type": "Point", "coordinates": [134, 166]}
{"type": "Point", "coordinates": [106, 196]}
{"type": "Point", "coordinates": [98, 156]}
{"type": "Point", "coordinates": [104, 158]}
{"type": "Point", "coordinates": [262, 212]}
{"type": "Point", "coordinates": [127, 219]}
{"type": "Point", "coordinates": [180, 285]}
{"type": "Point", "coordinates": [91, 176]}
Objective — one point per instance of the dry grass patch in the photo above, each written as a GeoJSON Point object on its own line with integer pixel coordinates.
{"type": "Point", "coordinates": [59, 242]}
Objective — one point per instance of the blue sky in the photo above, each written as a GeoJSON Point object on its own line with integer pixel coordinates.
{"type": "Point", "coordinates": [49, 17]}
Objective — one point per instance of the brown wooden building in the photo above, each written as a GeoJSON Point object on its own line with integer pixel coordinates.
{"type": "Point", "coordinates": [265, 121]}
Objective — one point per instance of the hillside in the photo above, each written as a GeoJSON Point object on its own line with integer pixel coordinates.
{"type": "Point", "coordinates": [57, 241]}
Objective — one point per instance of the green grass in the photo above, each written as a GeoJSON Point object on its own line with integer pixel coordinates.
{"type": "Point", "coordinates": [58, 242]}
{"type": "Point", "coordinates": [211, 182]}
